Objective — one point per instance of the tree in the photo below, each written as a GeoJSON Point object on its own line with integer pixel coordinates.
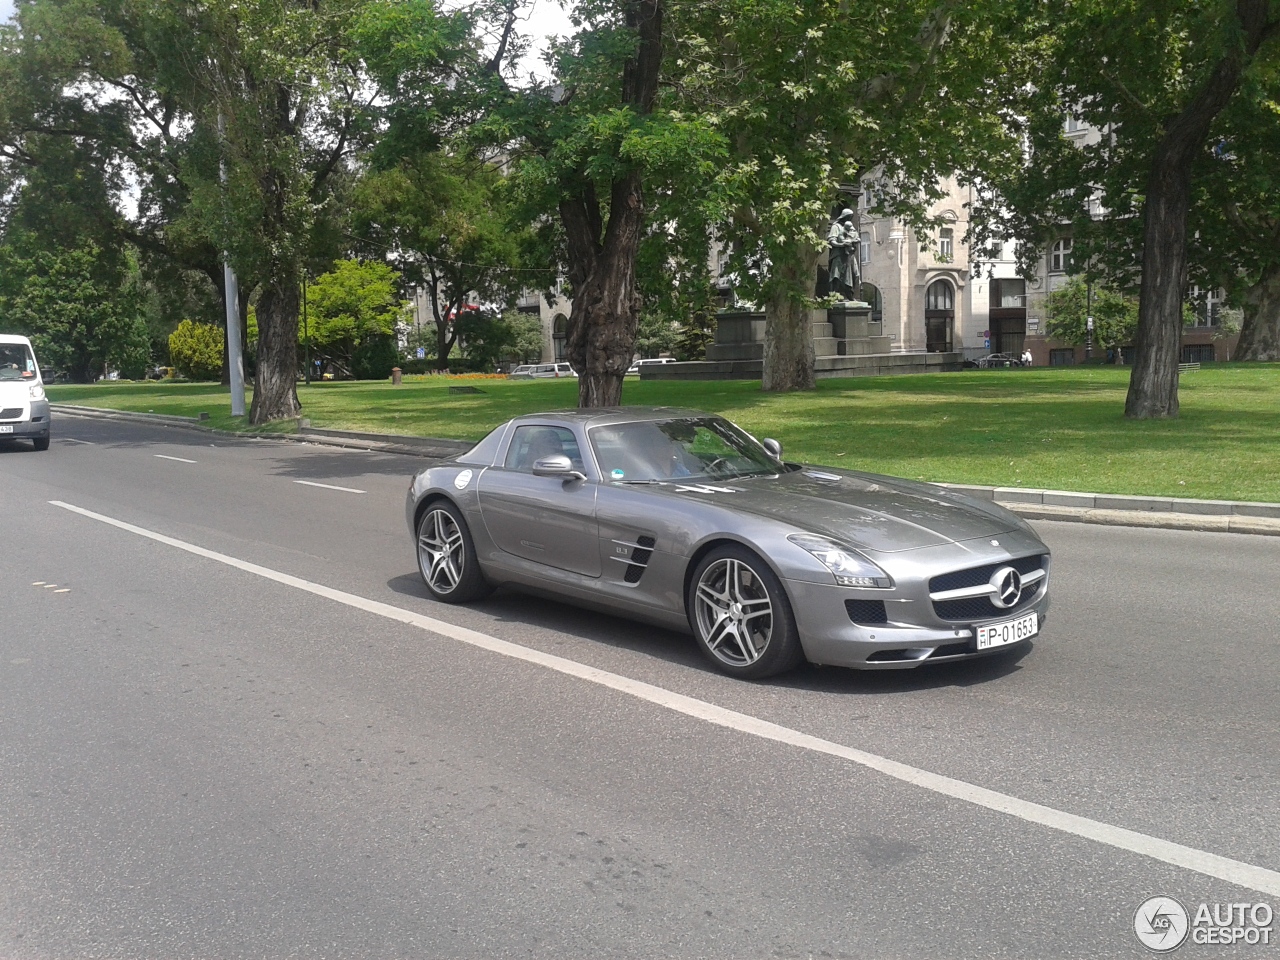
{"type": "Point", "coordinates": [79, 323]}
{"type": "Point", "coordinates": [350, 309]}
{"type": "Point", "coordinates": [196, 350]}
{"type": "Point", "coordinates": [1154, 79]}
{"type": "Point", "coordinates": [444, 222]}
{"type": "Point", "coordinates": [816, 94]}
{"type": "Point", "coordinates": [270, 92]}
{"type": "Point", "coordinates": [1115, 316]}
{"type": "Point", "coordinates": [1235, 215]}
{"type": "Point", "coordinates": [488, 339]}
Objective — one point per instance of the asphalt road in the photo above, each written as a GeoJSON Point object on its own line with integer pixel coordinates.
{"type": "Point", "coordinates": [203, 759]}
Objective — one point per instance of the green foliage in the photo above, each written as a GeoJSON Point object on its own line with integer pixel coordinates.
{"type": "Point", "coordinates": [79, 322]}
{"type": "Point", "coordinates": [350, 310]}
{"type": "Point", "coordinates": [487, 339]}
{"type": "Point", "coordinates": [196, 350]}
{"type": "Point", "coordinates": [1115, 316]}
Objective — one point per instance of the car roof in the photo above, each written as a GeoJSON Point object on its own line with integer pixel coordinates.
{"type": "Point", "coordinates": [13, 338]}
{"type": "Point", "coordinates": [599, 416]}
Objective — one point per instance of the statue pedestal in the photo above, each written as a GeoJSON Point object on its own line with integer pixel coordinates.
{"type": "Point", "coordinates": [856, 334]}
{"type": "Point", "coordinates": [739, 336]}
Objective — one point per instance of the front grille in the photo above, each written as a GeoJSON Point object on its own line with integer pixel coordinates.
{"type": "Point", "coordinates": [967, 609]}
{"type": "Point", "coordinates": [866, 611]}
{"type": "Point", "coordinates": [639, 559]}
{"type": "Point", "coordinates": [10, 413]}
{"type": "Point", "coordinates": [976, 576]}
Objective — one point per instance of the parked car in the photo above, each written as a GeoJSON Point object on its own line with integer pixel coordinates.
{"type": "Point", "coordinates": [649, 362]}
{"type": "Point", "coordinates": [24, 410]}
{"type": "Point", "coordinates": [681, 518]}
{"type": "Point", "coordinates": [992, 360]}
{"type": "Point", "coordinates": [538, 371]}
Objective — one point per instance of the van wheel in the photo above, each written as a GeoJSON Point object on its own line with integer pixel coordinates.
{"type": "Point", "coordinates": [40, 443]}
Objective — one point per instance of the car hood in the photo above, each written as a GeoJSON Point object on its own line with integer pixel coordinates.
{"type": "Point", "coordinates": [877, 513]}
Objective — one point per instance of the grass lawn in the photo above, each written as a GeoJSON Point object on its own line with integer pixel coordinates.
{"type": "Point", "coordinates": [1059, 428]}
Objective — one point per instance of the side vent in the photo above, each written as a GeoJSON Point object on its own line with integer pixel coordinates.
{"type": "Point", "coordinates": [638, 560]}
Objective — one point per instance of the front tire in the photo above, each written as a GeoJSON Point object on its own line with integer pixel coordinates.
{"type": "Point", "coordinates": [40, 443]}
{"type": "Point", "coordinates": [447, 556]}
{"type": "Point", "coordinates": [741, 616]}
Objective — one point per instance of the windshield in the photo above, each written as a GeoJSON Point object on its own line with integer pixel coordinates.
{"type": "Point", "coordinates": [16, 362]}
{"type": "Point", "coordinates": [702, 448]}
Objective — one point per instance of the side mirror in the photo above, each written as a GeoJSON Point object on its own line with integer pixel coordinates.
{"type": "Point", "coordinates": [559, 466]}
{"type": "Point", "coordinates": [772, 447]}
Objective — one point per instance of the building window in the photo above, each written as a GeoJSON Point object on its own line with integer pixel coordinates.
{"type": "Point", "coordinates": [1208, 306]}
{"type": "Point", "coordinates": [559, 330]}
{"type": "Point", "coordinates": [939, 316]}
{"type": "Point", "coordinates": [1074, 125]}
{"type": "Point", "coordinates": [1060, 256]}
{"type": "Point", "coordinates": [1008, 293]}
{"type": "Point", "coordinates": [864, 248]}
{"type": "Point", "coordinates": [946, 244]}
{"type": "Point", "coordinates": [1197, 353]}
{"type": "Point", "coordinates": [1064, 357]}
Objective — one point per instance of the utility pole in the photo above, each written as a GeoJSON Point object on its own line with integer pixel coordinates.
{"type": "Point", "coordinates": [235, 356]}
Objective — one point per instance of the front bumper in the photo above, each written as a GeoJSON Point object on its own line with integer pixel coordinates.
{"type": "Point", "coordinates": [35, 422]}
{"type": "Point", "coordinates": [913, 637]}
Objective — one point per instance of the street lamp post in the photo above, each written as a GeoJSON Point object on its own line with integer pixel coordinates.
{"type": "Point", "coordinates": [1088, 322]}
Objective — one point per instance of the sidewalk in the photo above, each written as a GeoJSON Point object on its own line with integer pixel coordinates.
{"type": "Point", "coordinates": [1169, 513]}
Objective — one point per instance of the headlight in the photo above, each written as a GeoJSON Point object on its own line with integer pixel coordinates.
{"type": "Point", "coordinates": [36, 391]}
{"type": "Point", "coordinates": [850, 568]}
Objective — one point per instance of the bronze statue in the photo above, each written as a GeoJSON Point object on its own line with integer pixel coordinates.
{"type": "Point", "coordinates": [842, 261]}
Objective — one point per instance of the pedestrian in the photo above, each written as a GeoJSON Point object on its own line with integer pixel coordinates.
{"type": "Point", "coordinates": [1026, 356]}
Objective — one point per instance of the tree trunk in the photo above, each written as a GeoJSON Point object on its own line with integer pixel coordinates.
{"type": "Point", "coordinates": [605, 315]}
{"type": "Point", "coordinates": [1260, 331]}
{"type": "Point", "coordinates": [275, 393]}
{"type": "Point", "coordinates": [788, 328]}
{"type": "Point", "coordinates": [1153, 385]}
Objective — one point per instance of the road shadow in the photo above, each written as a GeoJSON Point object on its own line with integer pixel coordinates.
{"type": "Point", "coordinates": [527, 609]}
{"type": "Point", "coordinates": [307, 463]}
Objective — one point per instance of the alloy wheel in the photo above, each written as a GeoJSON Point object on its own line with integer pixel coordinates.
{"type": "Point", "coordinates": [734, 612]}
{"type": "Point", "coordinates": [441, 551]}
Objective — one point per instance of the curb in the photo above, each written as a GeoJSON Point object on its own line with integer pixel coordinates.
{"type": "Point", "coordinates": [1108, 509]}
{"type": "Point", "coordinates": [427, 447]}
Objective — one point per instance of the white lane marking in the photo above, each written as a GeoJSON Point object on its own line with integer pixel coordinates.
{"type": "Point", "coordinates": [328, 486]}
{"type": "Point", "coordinates": [179, 459]}
{"type": "Point", "coordinates": [87, 443]}
{"type": "Point", "coordinates": [1166, 851]}
{"type": "Point", "coordinates": [63, 590]}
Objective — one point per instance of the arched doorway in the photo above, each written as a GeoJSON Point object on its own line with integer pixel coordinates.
{"type": "Point", "coordinates": [871, 294]}
{"type": "Point", "coordinates": [559, 330]}
{"type": "Point", "coordinates": [939, 316]}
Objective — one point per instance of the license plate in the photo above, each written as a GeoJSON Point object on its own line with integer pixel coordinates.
{"type": "Point", "coordinates": [6, 428]}
{"type": "Point", "coordinates": [1010, 631]}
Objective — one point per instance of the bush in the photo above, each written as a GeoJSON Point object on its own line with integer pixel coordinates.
{"type": "Point", "coordinates": [374, 359]}
{"type": "Point", "coordinates": [196, 350]}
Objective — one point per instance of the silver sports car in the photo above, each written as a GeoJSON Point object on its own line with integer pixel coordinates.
{"type": "Point", "coordinates": [682, 519]}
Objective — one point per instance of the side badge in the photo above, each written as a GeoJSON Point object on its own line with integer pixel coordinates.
{"type": "Point", "coordinates": [461, 480]}
{"type": "Point", "coordinates": [995, 543]}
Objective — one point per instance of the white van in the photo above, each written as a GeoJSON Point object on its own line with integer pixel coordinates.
{"type": "Point", "coordinates": [649, 362]}
{"type": "Point", "coordinates": [24, 411]}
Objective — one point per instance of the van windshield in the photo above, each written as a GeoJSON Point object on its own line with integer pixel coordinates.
{"type": "Point", "coordinates": [16, 362]}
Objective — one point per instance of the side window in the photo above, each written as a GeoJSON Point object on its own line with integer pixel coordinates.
{"type": "Point", "coordinates": [531, 444]}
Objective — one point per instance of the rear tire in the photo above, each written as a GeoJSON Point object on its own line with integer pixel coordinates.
{"type": "Point", "coordinates": [447, 556]}
{"type": "Point", "coordinates": [40, 443]}
{"type": "Point", "coordinates": [741, 616]}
